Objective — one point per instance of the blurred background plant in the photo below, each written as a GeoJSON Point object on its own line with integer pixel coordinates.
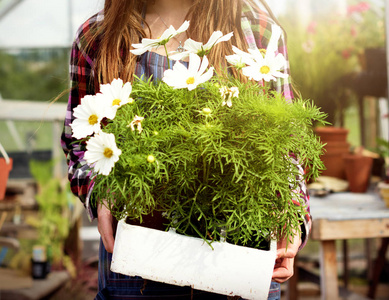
{"type": "Point", "coordinates": [365, 23]}
{"type": "Point", "coordinates": [383, 150]}
{"type": "Point", "coordinates": [52, 222]}
{"type": "Point", "coordinates": [324, 52]}
{"type": "Point", "coordinates": [34, 74]}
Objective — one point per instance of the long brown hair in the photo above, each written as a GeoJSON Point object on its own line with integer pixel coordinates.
{"type": "Point", "coordinates": [122, 26]}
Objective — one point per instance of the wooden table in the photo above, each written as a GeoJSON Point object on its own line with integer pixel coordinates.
{"type": "Point", "coordinates": [342, 216]}
{"type": "Point", "coordinates": [16, 285]}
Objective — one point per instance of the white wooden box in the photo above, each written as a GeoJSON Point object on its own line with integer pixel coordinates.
{"type": "Point", "coordinates": [166, 256]}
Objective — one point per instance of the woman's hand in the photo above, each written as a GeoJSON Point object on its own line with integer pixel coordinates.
{"type": "Point", "coordinates": [105, 226]}
{"type": "Point", "coordinates": [283, 269]}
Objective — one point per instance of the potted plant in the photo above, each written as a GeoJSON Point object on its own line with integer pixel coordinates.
{"type": "Point", "coordinates": [5, 168]}
{"type": "Point", "coordinates": [214, 155]}
{"type": "Point", "coordinates": [383, 185]}
{"type": "Point", "coordinates": [53, 222]}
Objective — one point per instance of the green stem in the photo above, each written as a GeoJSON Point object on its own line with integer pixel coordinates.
{"type": "Point", "coordinates": [200, 235]}
{"type": "Point", "coordinates": [197, 99]}
{"type": "Point", "coordinates": [205, 179]}
{"type": "Point", "coordinates": [167, 56]}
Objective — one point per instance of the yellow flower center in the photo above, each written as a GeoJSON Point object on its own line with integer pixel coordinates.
{"type": "Point", "coordinates": [93, 119]}
{"type": "Point", "coordinates": [265, 70]}
{"type": "Point", "coordinates": [108, 152]}
{"type": "Point", "coordinates": [190, 80]}
{"type": "Point", "coordinates": [263, 52]}
{"type": "Point", "coordinates": [116, 102]}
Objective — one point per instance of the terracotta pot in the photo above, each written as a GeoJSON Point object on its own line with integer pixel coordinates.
{"type": "Point", "coordinates": [5, 168]}
{"type": "Point", "coordinates": [358, 172]}
{"type": "Point", "coordinates": [333, 159]}
{"type": "Point", "coordinates": [334, 166]}
{"type": "Point", "coordinates": [331, 134]}
{"type": "Point", "coordinates": [166, 256]}
{"type": "Point", "coordinates": [336, 146]}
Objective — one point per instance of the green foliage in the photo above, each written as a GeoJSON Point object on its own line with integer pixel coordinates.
{"type": "Point", "coordinates": [228, 169]}
{"type": "Point", "coordinates": [325, 54]}
{"type": "Point", "coordinates": [383, 147]}
{"type": "Point", "coordinates": [383, 150]}
{"type": "Point", "coordinates": [34, 75]}
{"type": "Point", "coordinates": [318, 66]}
{"type": "Point", "coordinates": [55, 207]}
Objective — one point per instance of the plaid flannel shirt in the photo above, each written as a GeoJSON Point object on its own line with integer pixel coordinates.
{"type": "Point", "coordinates": [256, 25]}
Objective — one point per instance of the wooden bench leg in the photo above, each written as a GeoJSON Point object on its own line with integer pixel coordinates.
{"type": "Point", "coordinates": [377, 269]}
{"type": "Point", "coordinates": [328, 271]}
{"type": "Point", "coordinates": [292, 291]}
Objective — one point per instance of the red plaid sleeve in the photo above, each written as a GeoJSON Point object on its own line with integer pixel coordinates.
{"type": "Point", "coordinates": [81, 84]}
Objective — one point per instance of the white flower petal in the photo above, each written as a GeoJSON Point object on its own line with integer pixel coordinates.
{"type": "Point", "coordinates": [213, 39]}
{"type": "Point", "coordinates": [141, 48]}
{"type": "Point", "coordinates": [167, 34]}
{"type": "Point", "coordinates": [206, 76]}
{"type": "Point", "coordinates": [262, 68]}
{"type": "Point", "coordinates": [246, 58]}
{"type": "Point", "coordinates": [280, 74]}
{"type": "Point", "coordinates": [194, 63]}
{"type": "Point", "coordinates": [183, 27]}
{"type": "Point", "coordinates": [125, 93]}
{"type": "Point", "coordinates": [180, 77]}
{"type": "Point", "coordinates": [148, 44]}
{"type": "Point", "coordinates": [175, 55]}
{"type": "Point", "coordinates": [272, 47]}
{"type": "Point", "coordinates": [102, 152]}
{"type": "Point", "coordinates": [204, 65]}
{"type": "Point", "coordinates": [234, 60]}
{"type": "Point", "coordinates": [114, 95]}
{"type": "Point", "coordinates": [90, 109]}
{"type": "Point", "coordinates": [192, 46]}
{"type": "Point", "coordinates": [225, 38]}
{"type": "Point", "coordinates": [256, 55]}
{"type": "Point", "coordinates": [82, 129]}
{"type": "Point", "coordinates": [279, 61]}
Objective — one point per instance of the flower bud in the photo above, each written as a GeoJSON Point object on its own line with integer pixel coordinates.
{"type": "Point", "coordinates": [206, 111]}
{"type": "Point", "coordinates": [150, 159]}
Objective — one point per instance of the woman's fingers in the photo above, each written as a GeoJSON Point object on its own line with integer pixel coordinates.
{"type": "Point", "coordinates": [283, 269]}
{"type": "Point", "coordinates": [286, 251]}
{"type": "Point", "coordinates": [105, 227]}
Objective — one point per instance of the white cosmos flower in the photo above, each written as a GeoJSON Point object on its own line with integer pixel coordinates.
{"type": "Point", "coordinates": [115, 95]}
{"type": "Point", "coordinates": [236, 60]}
{"type": "Point", "coordinates": [240, 59]}
{"type": "Point", "coordinates": [88, 116]}
{"type": "Point", "coordinates": [102, 152]}
{"type": "Point", "coordinates": [148, 44]}
{"type": "Point", "coordinates": [228, 93]}
{"type": "Point", "coordinates": [198, 48]}
{"type": "Point", "coordinates": [137, 121]}
{"type": "Point", "coordinates": [266, 66]}
{"type": "Point", "coordinates": [181, 77]}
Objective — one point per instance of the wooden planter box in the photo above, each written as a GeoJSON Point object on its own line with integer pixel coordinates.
{"type": "Point", "coordinates": [166, 256]}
